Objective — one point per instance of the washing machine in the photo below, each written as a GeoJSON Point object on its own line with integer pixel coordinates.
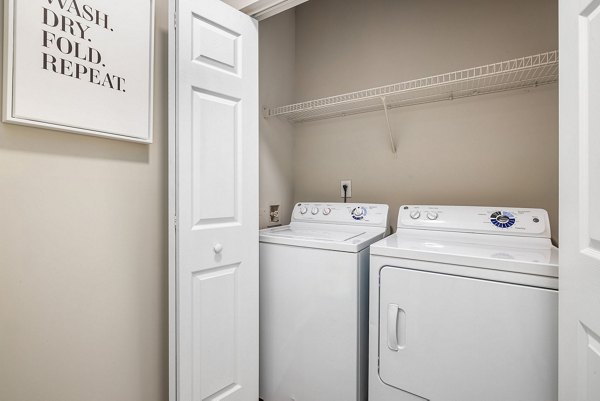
{"type": "Point", "coordinates": [464, 307]}
{"type": "Point", "coordinates": [314, 276]}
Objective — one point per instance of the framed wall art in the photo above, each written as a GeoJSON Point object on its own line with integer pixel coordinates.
{"type": "Point", "coordinates": [83, 66]}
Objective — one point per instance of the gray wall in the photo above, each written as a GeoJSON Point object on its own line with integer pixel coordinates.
{"type": "Point", "coordinates": [277, 78]}
{"type": "Point", "coordinates": [488, 150]}
{"type": "Point", "coordinates": [83, 261]}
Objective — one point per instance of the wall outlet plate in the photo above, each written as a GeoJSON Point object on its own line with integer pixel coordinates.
{"type": "Point", "coordinates": [274, 214]}
{"type": "Point", "coordinates": [349, 192]}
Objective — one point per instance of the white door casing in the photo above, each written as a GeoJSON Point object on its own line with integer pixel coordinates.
{"type": "Point", "coordinates": [579, 315]}
{"type": "Point", "coordinates": [214, 195]}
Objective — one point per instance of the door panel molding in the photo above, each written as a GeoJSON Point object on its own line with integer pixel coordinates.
{"type": "Point", "coordinates": [213, 203]}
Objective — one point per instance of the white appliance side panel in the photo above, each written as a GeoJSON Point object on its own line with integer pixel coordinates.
{"type": "Point", "coordinates": [363, 324]}
{"type": "Point", "coordinates": [445, 337]}
{"type": "Point", "coordinates": [308, 324]}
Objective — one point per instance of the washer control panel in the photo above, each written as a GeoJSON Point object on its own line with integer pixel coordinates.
{"type": "Point", "coordinates": [342, 213]}
{"type": "Point", "coordinates": [485, 220]}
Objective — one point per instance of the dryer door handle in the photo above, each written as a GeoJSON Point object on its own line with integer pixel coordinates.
{"type": "Point", "coordinates": [396, 327]}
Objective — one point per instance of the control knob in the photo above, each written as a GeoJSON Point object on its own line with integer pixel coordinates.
{"type": "Point", "coordinates": [432, 215]}
{"type": "Point", "coordinates": [502, 219]}
{"type": "Point", "coordinates": [358, 213]}
{"type": "Point", "coordinates": [415, 214]}
{"type": "Point", "coordinates": [326, 211]}
{"type": "Point", "coordinates": [303, 210]}
{"type": "Point", "coordinates": [314, 210]}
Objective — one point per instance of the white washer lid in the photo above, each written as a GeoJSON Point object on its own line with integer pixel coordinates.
{"type": "Point", "coordinates": [312, 234]}
{"type": "Point", "coordinates": [344, 238]}
{"type": "Point", "coordinates": [521, 255]}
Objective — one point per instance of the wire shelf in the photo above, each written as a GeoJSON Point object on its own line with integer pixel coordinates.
{"type": "Point", "coordinates": [524, 72]}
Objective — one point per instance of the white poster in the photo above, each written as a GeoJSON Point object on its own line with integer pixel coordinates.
{"type": "Point", "coordinates": [83, 66]}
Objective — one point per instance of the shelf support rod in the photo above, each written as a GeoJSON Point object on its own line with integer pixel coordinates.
{"type": "Point", "coordinates": [387, 119]}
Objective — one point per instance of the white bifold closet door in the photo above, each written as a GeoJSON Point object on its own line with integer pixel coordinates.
{"type": "Point", "coordinates": [579, 284]}
{"type": "Point", "coordinates": [214, 184]}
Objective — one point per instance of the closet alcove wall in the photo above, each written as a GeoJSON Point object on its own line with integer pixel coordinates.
{"type": "Point", "coordinates": [499, 149]}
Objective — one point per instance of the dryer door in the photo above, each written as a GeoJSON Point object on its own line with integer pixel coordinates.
{"type": "Point", "coordinates": [449, 338]}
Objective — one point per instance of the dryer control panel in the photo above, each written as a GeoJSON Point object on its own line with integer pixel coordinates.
{"type": "Point", "coordinates": [476, 219]}
{"type": "Point", "coordinates": [365, 214]}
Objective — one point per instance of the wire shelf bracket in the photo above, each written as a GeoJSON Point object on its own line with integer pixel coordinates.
{"type": "Point", "coordinates": [389, 126]}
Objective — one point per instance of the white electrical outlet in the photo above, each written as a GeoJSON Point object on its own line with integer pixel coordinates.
{"type": "Point", "coordinates": [349, 191]}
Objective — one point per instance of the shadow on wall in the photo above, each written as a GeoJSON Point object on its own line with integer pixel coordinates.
{"type": "Point", "coordinates": [37, 140]}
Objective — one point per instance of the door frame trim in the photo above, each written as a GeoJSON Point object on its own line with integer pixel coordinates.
{"type": "Point", "coordinates": [172, 200]}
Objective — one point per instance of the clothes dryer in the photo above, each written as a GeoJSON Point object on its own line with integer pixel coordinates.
{"type": "Point", "coordinates": [463, 307]}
